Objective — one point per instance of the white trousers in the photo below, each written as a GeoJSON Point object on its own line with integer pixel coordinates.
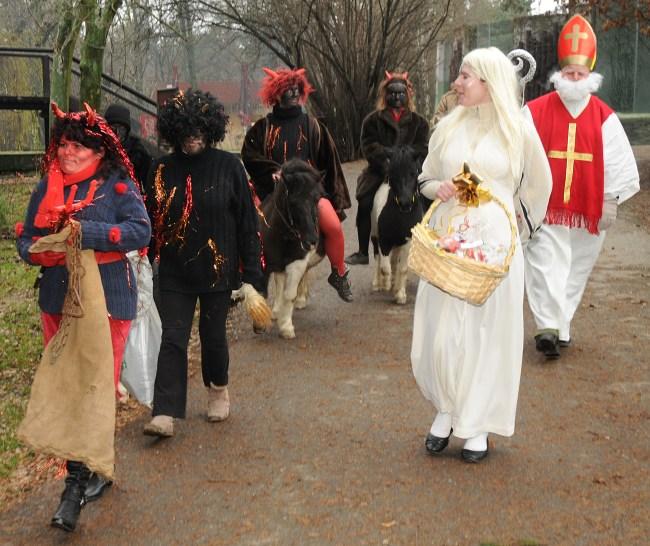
{"type": "Point", "coordinates": [559, 261]}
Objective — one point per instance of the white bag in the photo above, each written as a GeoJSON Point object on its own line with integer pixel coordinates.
{"type": "Point", "coordinates": [143, 344]}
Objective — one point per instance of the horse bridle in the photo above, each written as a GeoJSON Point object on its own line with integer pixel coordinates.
{"type": "Point", "coordinates": [289, 223]}
{"type": "Point", "coordinates": [414, 200]}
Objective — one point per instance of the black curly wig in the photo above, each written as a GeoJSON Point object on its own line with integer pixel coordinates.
{"type": "Point", "coordinates": [189, 113]}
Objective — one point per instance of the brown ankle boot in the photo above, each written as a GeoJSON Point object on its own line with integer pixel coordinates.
{"type": "Point", "coordinates": [218, 403]}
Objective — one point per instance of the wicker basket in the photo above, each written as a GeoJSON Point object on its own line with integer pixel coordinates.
{"type": "Point", "coordinates": [464, 278]}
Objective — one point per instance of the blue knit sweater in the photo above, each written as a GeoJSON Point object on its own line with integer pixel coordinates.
{"type": "Point", "coordinates": [111, 207]}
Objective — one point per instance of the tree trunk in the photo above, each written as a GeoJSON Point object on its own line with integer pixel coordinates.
{"type": "Point", "coordinates": [185, 21]}
{"type": "Point", "coordinates": [97, 21]}
{"type": "Point", "coordinates": [61, 72]}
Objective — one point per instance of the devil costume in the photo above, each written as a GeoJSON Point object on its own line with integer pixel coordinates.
{"type": "Point", "coordinates": [204, 232]}
{"type": "Point", "coordinates": [83, 217]}
{"type": "Point", "coordinates": [393, 124]}
{"type": "Point", "coordinates": [287, 132]}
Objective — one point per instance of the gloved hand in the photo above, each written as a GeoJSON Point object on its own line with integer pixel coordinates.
{"type": "Point", "coordinates": [610, 208]}
{"type": "Point", "coordinates": [255, 306]}
{"type": "Point", "coordinates": [48, 258]}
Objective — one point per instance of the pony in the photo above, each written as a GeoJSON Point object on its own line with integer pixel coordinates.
{"type": "Point", "coordinates": [396, 209]}
{"type": "Point", "coordinates": [290, 238]}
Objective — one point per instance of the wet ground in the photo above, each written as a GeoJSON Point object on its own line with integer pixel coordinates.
{"type": "Point", "coordinates": [325, 442]}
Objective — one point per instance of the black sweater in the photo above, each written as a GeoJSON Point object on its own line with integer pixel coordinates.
{"type": "Point", "coordinates": [222, 227]}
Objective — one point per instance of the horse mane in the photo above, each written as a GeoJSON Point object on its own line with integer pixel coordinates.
{"type": "Point", "coordinates": [301, 180]}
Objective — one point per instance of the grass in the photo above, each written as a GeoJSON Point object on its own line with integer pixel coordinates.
{"type": "Point", "coordinates": [20, 334]}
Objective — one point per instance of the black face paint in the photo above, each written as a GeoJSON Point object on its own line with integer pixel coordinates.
{"type": "Point", "coordinates": [396, 95]}
{"type": "Point", "coordinates": [120, 131]}
{"type": "Point", "coordinates": [291, 97]}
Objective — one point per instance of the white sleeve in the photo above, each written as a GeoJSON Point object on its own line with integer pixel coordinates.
{"type": "Point", "coordinates": [621, 173]}
{"type": "Point", "coordinates": [531, 199]}
{"type": "Point", "coordinates": [430, 178]}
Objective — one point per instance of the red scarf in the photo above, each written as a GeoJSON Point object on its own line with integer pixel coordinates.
{"type": "Point", "coordinates": [397, 114]}
{"type": "Point", "coordinates": [48, 213]}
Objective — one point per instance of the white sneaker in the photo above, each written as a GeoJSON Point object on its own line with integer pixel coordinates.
{"type": "Point", "coordinates": [161, 426]}
{"type": "Point", "coordinates": [218, 404]}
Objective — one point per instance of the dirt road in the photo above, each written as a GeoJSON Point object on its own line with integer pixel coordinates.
{"type": "Point", "coordinates": [325, 442]}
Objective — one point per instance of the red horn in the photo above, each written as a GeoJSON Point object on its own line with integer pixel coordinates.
{"type": "Point", "coordinates": [270, 72]}
{"type": "Point", "coordinates": [301, 71]}
{"type": "Point", "coordinates": [389, 76]}
{"type": "Point", "coordinates": [91, 115]}
{"type": "Point", "coordinates": [56, 110]}
{"type": "Point", "coordinates": [406, 75]}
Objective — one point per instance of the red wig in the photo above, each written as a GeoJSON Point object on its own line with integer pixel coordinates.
{"type": "Point", "coordinates": [278, 81]}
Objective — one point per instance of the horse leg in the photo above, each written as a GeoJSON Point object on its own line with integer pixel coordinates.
{"type": "Point", "coordinates": [277, 289]}
{"type": "Point", "coordinates": [294, 272]}
{"type": "Point", "coordinates": [282, 308]}
{"type": "Point", "coordinates": [384, 272]}
{"type": "Point", "coordinates": [303, 292]}
{"type": "Point", "coordinates": [376, 279]}
{"type": "Point", "coordinates": [401, 272]}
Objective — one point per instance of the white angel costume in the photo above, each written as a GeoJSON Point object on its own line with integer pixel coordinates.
{"type": "Point", "coordinates": [467, 359]}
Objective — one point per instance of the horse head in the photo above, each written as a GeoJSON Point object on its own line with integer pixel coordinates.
{"type": "Point", "coordinates": [296, 198]}
{"type": "Point", "coordinates": [403, 170]}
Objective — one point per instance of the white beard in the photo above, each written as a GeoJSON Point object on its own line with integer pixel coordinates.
{"type": "Point", "coordinates": [575, 91]}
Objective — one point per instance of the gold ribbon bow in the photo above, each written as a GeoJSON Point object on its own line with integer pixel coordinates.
{"type": "Point", "coordinates": [469, 191]}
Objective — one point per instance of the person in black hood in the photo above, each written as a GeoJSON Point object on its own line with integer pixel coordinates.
{"type": "Point", "coordinates": [119, 118]}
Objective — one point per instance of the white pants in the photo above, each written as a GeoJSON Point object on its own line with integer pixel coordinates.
{"type": "Point", "coordinates": [559, 261]}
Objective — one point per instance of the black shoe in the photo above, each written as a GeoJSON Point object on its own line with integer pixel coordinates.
{"type": "Point", "coordinates": [547, 343]}
{"type": "Point", "coordinates": [96, 487]}
{"type": "Point", "coordinates": [435, 444]}
{"type": "Point", "coordinates": [67, 513]}
{"type": "Point", "coordinates": [470, 456]}
{"type": "Point", "coordinates": [564, 343]}
{"type": "Point", "coordinates": [358, 258]}
{"type": "Point", "coordinates": [341, 284]}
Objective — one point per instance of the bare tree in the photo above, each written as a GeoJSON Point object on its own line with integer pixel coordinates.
{"type": "Point", "coordinates": [346, 45]}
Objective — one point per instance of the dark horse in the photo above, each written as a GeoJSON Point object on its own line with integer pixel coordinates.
{"type": "Point", "coordinates": [396, 209]}
{"type": "Point", "coordinates": [290, 236]}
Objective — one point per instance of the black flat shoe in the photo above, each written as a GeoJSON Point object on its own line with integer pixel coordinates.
{"type": "Point", "coordinates": [548, 344]}
{"type": "Point", "coordinates": [564, 343]}
{"type": "Point", "coordinates": [358, 258]}
{"type": "Point", "coordinates": [435, 444]}
{"type": "Point", "coordinates": [470, 456]}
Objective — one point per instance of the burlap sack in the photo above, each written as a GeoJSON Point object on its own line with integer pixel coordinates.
{"type": "Point", "coordinates": [71, 410]}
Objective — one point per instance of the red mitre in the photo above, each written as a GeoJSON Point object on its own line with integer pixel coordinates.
{"type": "Point", "coordinates": [577, 43]}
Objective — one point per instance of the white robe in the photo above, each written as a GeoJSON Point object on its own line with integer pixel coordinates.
{"type": "Point", "coordinates": [466, 359]}
{"type": "Point", "coordinates": [559, 259]}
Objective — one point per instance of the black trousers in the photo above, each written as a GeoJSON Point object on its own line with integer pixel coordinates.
{"type": "Point", "coordinates": [176, 314]}
{"type": "Point", "coordinates": [364, 211]}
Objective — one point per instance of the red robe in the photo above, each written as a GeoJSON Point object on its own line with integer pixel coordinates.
{"type": "Point", "coordinates": [577, 197]}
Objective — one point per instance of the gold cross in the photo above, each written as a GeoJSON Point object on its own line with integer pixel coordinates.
{"type": "Point", "coordinates": [575, 36]}
{"type": "Point", "coordinates": [570, 155]}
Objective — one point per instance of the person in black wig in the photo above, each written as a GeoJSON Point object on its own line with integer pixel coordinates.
{"type": "Point", "coordinates": [204, 226]}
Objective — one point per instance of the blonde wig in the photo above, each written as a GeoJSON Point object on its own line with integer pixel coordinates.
{"type": "Point", "coordinates": [498, 73]}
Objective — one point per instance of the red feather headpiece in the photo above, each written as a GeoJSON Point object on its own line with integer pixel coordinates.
{"type": "Point", "coordinates": [51, 207]}
{"type": "Point", "coordinates": [276, 82]}
{"type": "Point", "coordinates": [95, 126]}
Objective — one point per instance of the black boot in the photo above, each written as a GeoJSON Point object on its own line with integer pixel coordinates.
{"type": "Point", "coordinates": [95, 488]}
{"type": "Point", "coordinates": [67, 513]}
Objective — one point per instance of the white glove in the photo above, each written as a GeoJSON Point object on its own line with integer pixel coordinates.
{"type": "Point", "coordinates": [610, 207]}
{"type": "Point", "coordinates": [245, 290]}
